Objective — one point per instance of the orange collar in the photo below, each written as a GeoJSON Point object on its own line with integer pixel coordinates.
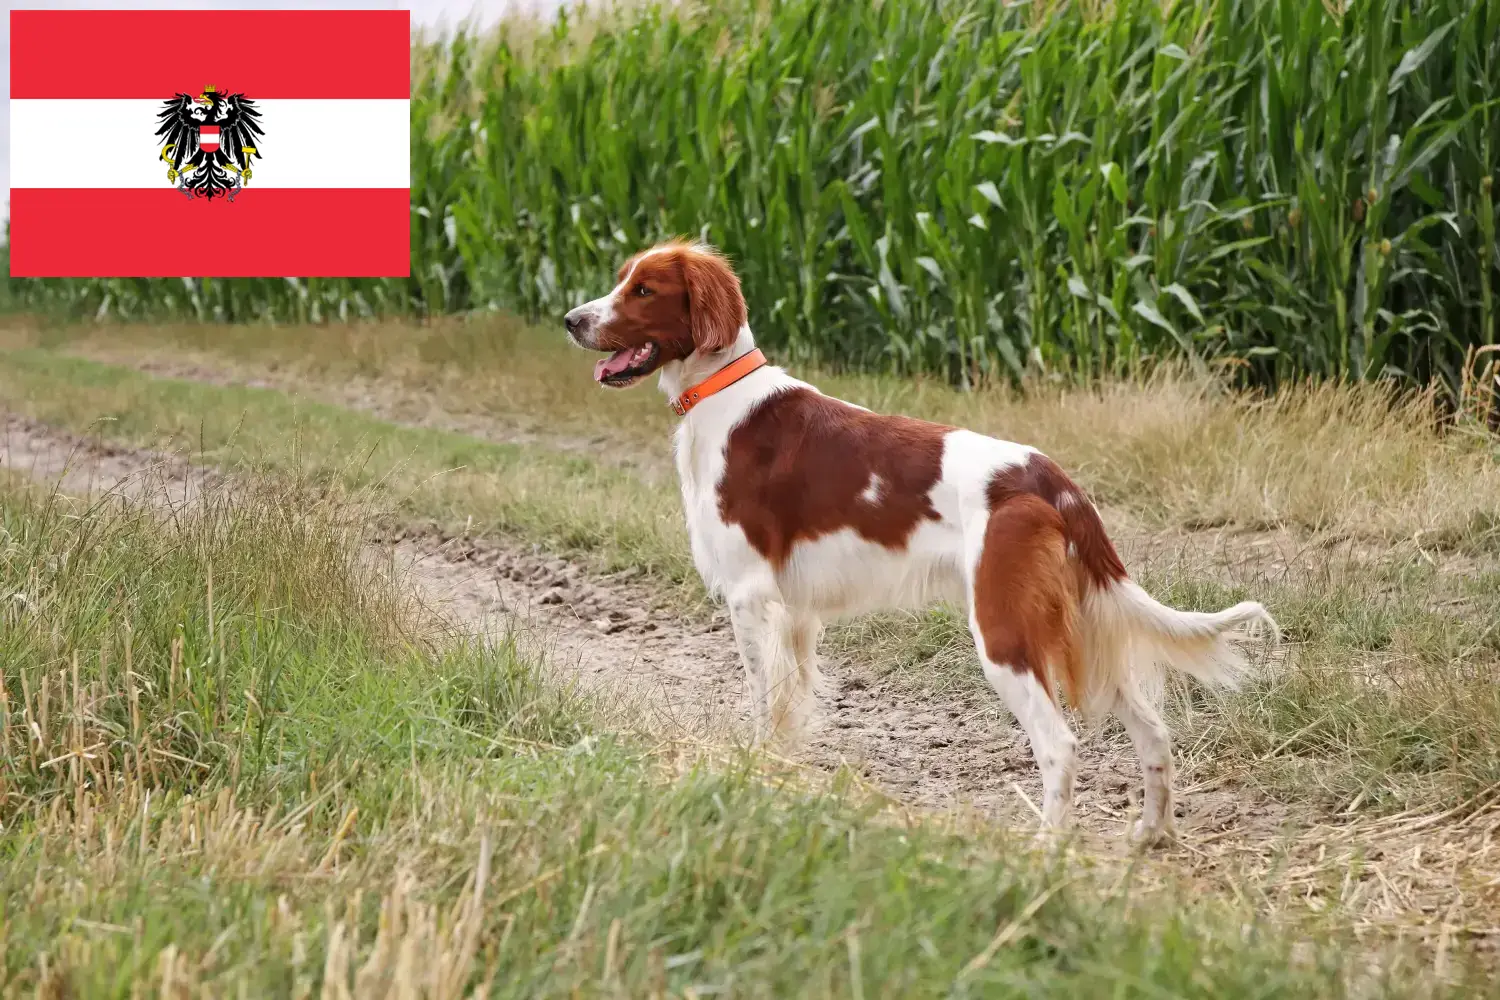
{"type": "Point", "coordinates": [719, 380]}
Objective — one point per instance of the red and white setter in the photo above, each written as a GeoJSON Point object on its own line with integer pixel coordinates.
{"type": "Point", "coordinates": [801, 508]}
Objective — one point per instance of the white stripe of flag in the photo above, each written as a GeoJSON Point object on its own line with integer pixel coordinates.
{"type": "Point", "coordinates": [366, 145]}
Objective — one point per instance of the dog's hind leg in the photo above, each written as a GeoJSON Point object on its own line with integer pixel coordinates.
{"type": "Point", "coordinates": [1022, 612]}
{"type": "Point", "coordinates": [1052, 741]}
{"type": "Point", "coordinates": [1153, 745]}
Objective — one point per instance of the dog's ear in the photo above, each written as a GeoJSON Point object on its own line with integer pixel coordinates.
{"type": "Point", "coordinates": [716, 307]}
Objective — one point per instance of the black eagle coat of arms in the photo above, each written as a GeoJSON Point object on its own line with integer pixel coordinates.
{"type": "Point", "coordinates": [208, 142]}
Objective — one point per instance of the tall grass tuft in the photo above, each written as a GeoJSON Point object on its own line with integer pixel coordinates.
{"type": "Point", "coordinates": [966, 187]}
{"type": "Point", "coordinates": [225, 642]}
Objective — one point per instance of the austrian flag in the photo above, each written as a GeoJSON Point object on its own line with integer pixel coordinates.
{"type": "Point", "coordinates": [216, 143]}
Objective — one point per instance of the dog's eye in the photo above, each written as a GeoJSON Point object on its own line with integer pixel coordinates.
{"type": "Point", "coordinates": [642, 290]}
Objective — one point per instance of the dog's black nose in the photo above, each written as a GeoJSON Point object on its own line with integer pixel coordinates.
{"type": "Point", "coordinates": [573, 321]}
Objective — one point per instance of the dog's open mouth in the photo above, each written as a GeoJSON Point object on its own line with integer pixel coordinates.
{"type": "Point", "coordinates": [626, 366]}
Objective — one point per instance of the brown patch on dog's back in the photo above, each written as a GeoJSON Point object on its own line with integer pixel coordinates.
{"type": "Point", "coordinates": [1041, 477]}
{"type": "Point", "coordinates": [802, 465]}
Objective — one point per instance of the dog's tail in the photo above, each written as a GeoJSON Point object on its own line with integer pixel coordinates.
{"type": "Point", "coordinates": [1125, 637]}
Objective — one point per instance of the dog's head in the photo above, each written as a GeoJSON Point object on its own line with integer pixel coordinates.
{"type": "Point", "coordinates": [669, 302]}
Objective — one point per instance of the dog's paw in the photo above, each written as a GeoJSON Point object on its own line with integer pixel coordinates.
{"type": "Point", "coordinates": [1145, 836]}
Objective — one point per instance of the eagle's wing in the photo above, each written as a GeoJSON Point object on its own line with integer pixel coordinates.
{"type": "Point", "coordinates": [240, 128]}
{"type": "Point", "coordinates": [177, 128]}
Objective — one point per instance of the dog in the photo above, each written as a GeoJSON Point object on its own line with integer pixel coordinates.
{"type": "Point", "coordinates": [802, 508]}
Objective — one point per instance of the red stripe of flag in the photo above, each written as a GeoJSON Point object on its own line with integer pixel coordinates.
{"type": "Point", "coordinates": [150, 234]}
{"type": "Point", "coordinates": [264, 54]}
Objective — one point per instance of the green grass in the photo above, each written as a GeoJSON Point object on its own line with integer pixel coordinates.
{"type": "Point", "coordinates": [971, 188]}
{"type": "Point", "coordinates": [235, 643]}
{"type": "Point", "coordinates": [291, 790]}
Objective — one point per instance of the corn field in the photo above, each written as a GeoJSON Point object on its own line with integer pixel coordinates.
{"type": "Point", "coordinates": [972, 189]}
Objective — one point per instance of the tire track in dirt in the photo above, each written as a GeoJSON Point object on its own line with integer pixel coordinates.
{"type": "Point", "coordinates": [951, 748]}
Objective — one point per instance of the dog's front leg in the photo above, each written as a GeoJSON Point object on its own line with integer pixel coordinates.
{"type": "Point", "coordinates": [749, 616]}
{"type": "Point", "coordinates": [756, 615]}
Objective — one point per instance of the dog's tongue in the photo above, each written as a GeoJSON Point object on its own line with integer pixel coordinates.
{"type": "Point", "coordinates": [622, 360]}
